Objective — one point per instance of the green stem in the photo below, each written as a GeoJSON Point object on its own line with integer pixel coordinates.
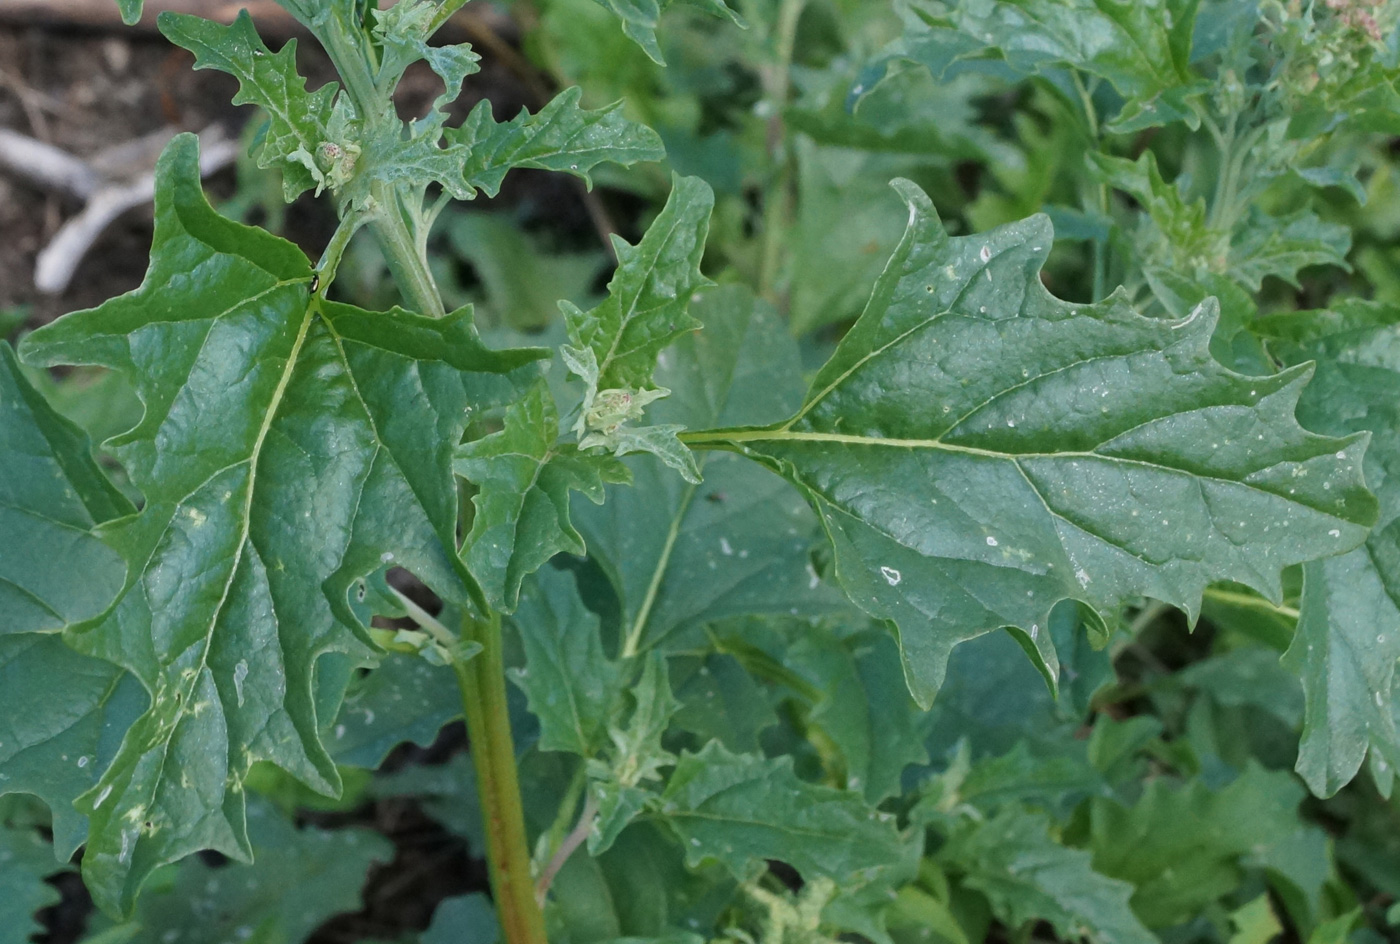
{"type": "Point", "coordinates": [402, 251]}
{"type": "Point", "coordinates": [1224, 186]}
{"type": "Point", "coordinates": [777, 204]}
{"type": "Point", "coordinates": [400, 228]}
{"type": "Point", "coordinates": [444, 13]}
{"type": "Point", "coordinates": [1100, 191]}
{"type": "Point", "coordinates": [330, 259]}
{"type": "Point", "coordinates": [483, 684]}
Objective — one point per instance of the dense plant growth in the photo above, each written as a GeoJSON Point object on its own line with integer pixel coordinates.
{"type": "Point", "coordinates": [874, 622]}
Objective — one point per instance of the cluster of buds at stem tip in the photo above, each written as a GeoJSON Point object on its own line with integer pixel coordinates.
{"type": "Point", "coordinates": [335, 164]}
{"type": "Point", "coordinates": [609, 410]}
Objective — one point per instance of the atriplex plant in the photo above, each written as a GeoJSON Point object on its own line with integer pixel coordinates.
{"type": "Point", "coordinates": [979, 454]}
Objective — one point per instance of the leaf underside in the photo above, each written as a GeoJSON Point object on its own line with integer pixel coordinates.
{"type": "Point", "coordinates": [979, 450]}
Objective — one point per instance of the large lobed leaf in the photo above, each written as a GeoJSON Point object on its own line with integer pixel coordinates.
{"type": "Point", "coordinates": [1348, 636]}
{"type": "Point", "coordinates": [979, 450]}
{"type": "Point", "coordinates": [289, 448]}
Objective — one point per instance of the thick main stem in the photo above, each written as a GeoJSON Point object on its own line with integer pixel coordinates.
{"type": "Point", "coordinates": [399, 244]}
{"type": "Point", "coordinates": [401, 232]}
{"type": "Point", "coordinates": [483, 684]}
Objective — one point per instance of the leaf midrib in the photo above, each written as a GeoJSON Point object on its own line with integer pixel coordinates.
{"type": "Point", "coordinates": [245, 522]}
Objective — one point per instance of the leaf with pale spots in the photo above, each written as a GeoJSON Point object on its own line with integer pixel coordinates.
{"type": "Point", "coordinates": [979, 450]}
{"type": "Point", "coordinates": [1348, 636]}
{"type": "Point", "coordinates": [289, 448]}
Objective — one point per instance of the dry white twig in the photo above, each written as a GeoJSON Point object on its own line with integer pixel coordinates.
{"type": "Point", "coordinates": [112, 182]}
{"type": "Point", "coordinates": [47, 166]}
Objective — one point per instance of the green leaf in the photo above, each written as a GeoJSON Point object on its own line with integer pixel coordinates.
{"type": "Point", "coordinates": [290, 447]}
{"type": "Point", "coordinates": [650, 293]}
{"type": "Point", "coordinates": [53, 571]}
{"type": "Point", "coordinates": [721, 701]}
{"type": "Point", "coordinates": [301, 878]}
{"type": "Point", "coordinates": [468, 918]}
{"type": "Point", "coordinates": [1175, 242]}
{"type": "Point", "coordinates": [1182, 846]}
{"type": "Point", "coordinates": [403, 699]}
{"type": "Point", "coordinates": [1028, 876]}
{"type": "Point", "coordinates": [522, 280]}
{"type": "Point", "coordinates": [522, 509]}
{"type": "Point", "coordinates": [1255, 922]}
{"type": "Point", "coordinates": [847, 223]}
{"type": "Point", "coordinates": [614, 347]}
{"type": "Point", "coordinates": [1141, 47]}
{"type": "Point", "coordinates": [1280, 246]}
{"type": "Point", "coordinates": [619, 784]}
{"type": "Point", "coordinates": [560, 137]}
{"type": "Point", "coordinates": [681, 555]}
{"type": "Point", "coordinates": [640, 17]}
{"type": "Point", "coordinates": [1053, 782]}
{"type": "Point", "coordinates": [447, 793]}
{"type": "Point", "coordinates": [572, 687]}
{"type": "Point", "coordinates": [979, 450]}
{"type": "Point", "coordinates": [741, 808]}
{"type": "Point", "coordinates": [402, 32]}
{"type": "Point", "coordinates": [25, 861]}
{"type": "Point", "coordinates": [864, 709]}
{"type": "Point", "coordinates": [65, 714]}
{"type": "Point", "coordinates": [60, 706]}
{"type": "Point", "coordinates": [298, 121]}
{"type": "Point", "coordinates": [131, 11]}
{"type": "Point", "coordinates": [1348, 636]}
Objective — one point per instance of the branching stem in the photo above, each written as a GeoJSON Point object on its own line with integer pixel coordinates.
{"type": "Point", "coordinates": [567, 848]}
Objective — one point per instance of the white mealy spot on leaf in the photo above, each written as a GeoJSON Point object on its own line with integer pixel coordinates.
{"type": "Point", "coordinates": [240, 672]}
{"type": "Point", "coordinates": [892, 576]}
